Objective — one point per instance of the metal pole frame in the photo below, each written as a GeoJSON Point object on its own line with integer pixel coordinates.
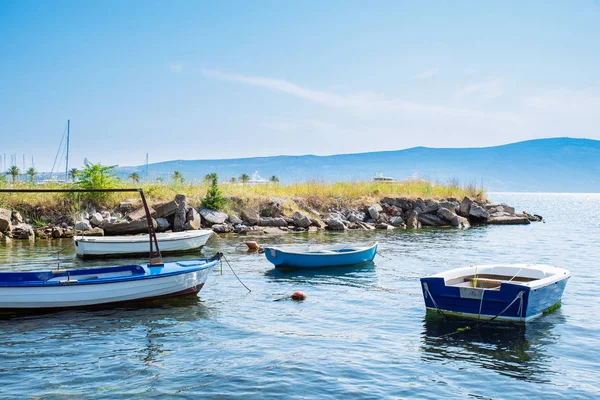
{"type": "Point", "coordinates": [155, 256]}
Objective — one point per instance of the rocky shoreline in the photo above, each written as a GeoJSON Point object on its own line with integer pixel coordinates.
{"type": "Point", "coordinates": [269, 216]}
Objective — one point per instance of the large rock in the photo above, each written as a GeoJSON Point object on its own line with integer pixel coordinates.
{"type": "Point", "coordinates": [374, 211]}
{"type": "Point", "coordinates": [398, 222]}
{"type": "Point", "coordinates": [250, 215]}
{"type": "Point", "coordinates": [93, 232]}
{"type": "Point", "coordinates": [272, 209]}
{"type": "Point", "coordinates": [508, 220]}
{"type": "Point", "coordinates": [460, 222]}
{"type": "Point", "coordinates": [446, 214]}
{"type": "Point", "coordinates": [222, 228]}
{"type": "Point", "coordinates": [355, 216]}
{"type": "Point", "coordinates": [465, 207]}
{"type": "Point", "coordinates": [235, 220]}
{"type": "Point", "coordinates": [128, 227]}
{"type": "Point", "coordinates": [213, 217]}
{"type": "Point", "coordinates": [96, 219]}
{"type": "Point", "coordinates": [402, 202]}
{"type": "Point", "coordinates": [272, 222]}
{"type": "Point", "coordinates": [412, 219]}
{"type": "Point", "coordinates": [181, 213]}
{"type": "Point", "coordinates": [383, 226]}
{"type": "Point", "coordinates": [166, 209]}
{"type": "Point", "coordinates": [334, 222]}
{"type": "Point", "coordinates": [478, 213]}
{"type": "Point", "coordinates": [365, 226]}
{"type": "Point", "coordinates": [125, 206]}
{"type": "Point", "coordinates": [450, 205]}
{"type": "Point", "coordinates": [17, 218]}
{"type": "Point", "coordinates": [23, 231]}
{"type": "Point", "coordinates": [5, 216]}
{"type": "Point", "coordinates": [83, 225]}
{"type": "Point", "coordinates": [192, 220]}
{"type": "Point", "coordinates": [162, 224]}
{"type": "Point", "coordinates": [431, 207]}
{"type": "Point", "coordinates": [301, 220]}
{"type": "Point", "coordinates": [140, 213]}
{"type": "Point", "coordinates": [431, 220]}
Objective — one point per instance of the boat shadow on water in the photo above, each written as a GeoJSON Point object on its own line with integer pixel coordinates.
{"type": "Point", "coordinates": [516, 350]}
{"type": "Point", "coordinates": [351, 275]}
{"type": "Point", "coordinates": [184, 308]}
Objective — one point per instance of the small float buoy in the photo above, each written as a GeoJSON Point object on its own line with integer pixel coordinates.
{"type": "Point", "coordinates": [252, 245]}
{"type": "Point", "coordinates": [299, 296]}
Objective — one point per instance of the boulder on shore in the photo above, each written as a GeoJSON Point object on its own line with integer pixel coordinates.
{"type": "Point", "coordinates": [213, 217]}
{"type": "Point", "coordinates": [5, 217]}
{"type": "Point", "coordinates": [478, 213]}
{"type": "Point", "coordinates": [250, 215]}
{"type": "Point", "coordinates": [301, 220]}
{"type": "Point", "coordinates": [140, 213]}
{"type": "Point", "coordinates": [431, 220]}
{"type": "Point", "coordinates": [128, 227]}
{"type": "Point", "coordinates": [181, 213]}
{"type": "Point", "coordinates": [412, 219]}
{"type": "Point", "coordinates": [23, 231]}
{"type": "Point", "coordinates": [83, 225]}
{"type": "Point", "coordinates": [374, 211]}
{"type": "Point", "coordinates": [508, 220]}
{"type": "Point", "coordinates": [166, 209]}
{"type": "Point", "coordinates": [162, 224]}
{"type": "Point", "coordinates": [465, 207]}
{"type": "Point", "coordinates": [272, 222]}
{"type": "Point", "coordinates": [192, 220]}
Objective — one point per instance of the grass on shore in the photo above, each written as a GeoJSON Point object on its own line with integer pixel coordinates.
{"type": "Point", "coordinates": [327, 193]}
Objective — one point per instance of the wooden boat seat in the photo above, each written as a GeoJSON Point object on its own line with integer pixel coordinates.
{"type": "Point", "coordinates": [484, 282]}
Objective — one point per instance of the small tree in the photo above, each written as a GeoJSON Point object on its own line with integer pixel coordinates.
{"type": "Point", "coordinates": [134, 177]}
{"type": "Point", "coordinates": [32, 173]}
{"type": "Point", "coordinates": [274, 179]}
{"type": "Point", "coordinates": [232, 179]}
{"type": "Point", "coordinates": [177, 177]}
{"type": "Point", "coordinates": [214, 200]}
{"type": "Point", "coordinates": [73, 172]}
{"type": "Point", "coordinates": [159, 180]}
{"type": "Point", "coordinates": [14, 172]}
{"type": "Point", "coordinates": [97, 176]}
{"type": "Point", "coordinates": [244, 178]}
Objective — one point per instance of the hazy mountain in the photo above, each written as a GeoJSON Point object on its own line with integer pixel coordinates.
{"type": "Point", "coordinates": [553, 165]}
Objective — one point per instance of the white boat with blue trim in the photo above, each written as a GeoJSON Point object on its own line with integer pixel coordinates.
{"type": "Point", "coordinates": [58, 289]}
{"type": "Point", "coordinates": [506, 292]}
{"type": "Point", "coordinates": [315, 256]}
{"type": "Point", "coordinates": [170, 242]}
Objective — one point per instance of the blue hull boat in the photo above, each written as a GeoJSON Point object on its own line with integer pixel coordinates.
{"type": "Point", "coordinates": [320, 256]}
{"type": "Point", "coordinates": [515, 292]}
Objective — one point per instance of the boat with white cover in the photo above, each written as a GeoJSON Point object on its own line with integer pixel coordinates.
{"type": "Point", "coordinates": [510, 292]}
{"type": "Point", "coordinates": [47, 290]}
{"type": "Point", "coordinates": [170, 242]}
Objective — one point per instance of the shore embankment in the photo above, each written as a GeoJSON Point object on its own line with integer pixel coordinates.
{"type": "Point", "coordinates": [273, 208]}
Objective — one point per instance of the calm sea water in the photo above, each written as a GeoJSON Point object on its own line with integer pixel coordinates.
{"type": "Point", "coordinates": [362, 332]}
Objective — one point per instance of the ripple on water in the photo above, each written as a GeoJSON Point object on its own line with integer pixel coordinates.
{"type": "Point", "coordinates": [362, 332]}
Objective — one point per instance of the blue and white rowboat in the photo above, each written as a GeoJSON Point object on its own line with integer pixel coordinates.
{"type": "Point", "coordinates": [509, 292]}
{"type": "Point", "coordinates": [312, 256]}
{"type": "Point", "coordinates": [43, 290]}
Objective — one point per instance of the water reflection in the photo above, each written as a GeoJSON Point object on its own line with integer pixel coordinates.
{"type": "Point", "coordinates": [354, 275]}
{"type": "Point", "coordinates": [515, 350]}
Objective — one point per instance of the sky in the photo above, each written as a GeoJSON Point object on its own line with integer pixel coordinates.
{"type": "Point", "coordinates": [227, 79]}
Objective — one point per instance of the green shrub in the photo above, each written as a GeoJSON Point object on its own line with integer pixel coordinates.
{"type": "Point", "coordinates": [214, 199]}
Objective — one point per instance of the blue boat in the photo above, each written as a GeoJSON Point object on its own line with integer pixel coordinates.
{"type": "Point", "coordinates": [59, 289]}
{"type": "Point", "coordinates": [312, 256]}
{"type": "Point", "coordinates": [505, 292]}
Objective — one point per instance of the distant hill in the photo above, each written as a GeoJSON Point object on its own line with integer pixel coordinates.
{"type": "Point", "coordinates": [542, 165]}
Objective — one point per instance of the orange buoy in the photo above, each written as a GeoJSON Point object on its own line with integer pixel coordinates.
{"type": "Point", "coordinates": [299, 296]}
{"type": "Point", "coordinates": [252, 245]}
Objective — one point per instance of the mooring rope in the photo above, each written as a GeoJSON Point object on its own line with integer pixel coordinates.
{"type": "Point", "coordinates": [238, 278]}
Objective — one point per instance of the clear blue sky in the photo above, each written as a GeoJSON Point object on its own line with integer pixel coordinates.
{"type": "Point", "coordinates": [223, 79]}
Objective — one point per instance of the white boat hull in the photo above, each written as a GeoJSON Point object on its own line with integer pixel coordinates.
{"type": "Point", "coordinates": [114, 288]}
{"type": "Point", "coordinates": [95, 246]}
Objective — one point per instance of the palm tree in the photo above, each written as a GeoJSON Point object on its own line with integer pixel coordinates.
{"type": "Point", "coordinates": [13, 171]}
{"type": "Point", "coordinates": [135, 177]}
{"type": "Point", "coordinates": [73, 172]}
{"type": "Point", "coordinates": [232, 179]}
{"type": "Point", "coordinates": [177, 177]}
{"type": "Point", "coordinates": [274, 179]}
{"type": "Point", "coordinates": [32, 173]}
{"type": "Point", "coordinates": [244, 178]}
{"type": "Point", "coordinates": [209, 177]}
{"type": "Point", "coordinates": [159, 180]}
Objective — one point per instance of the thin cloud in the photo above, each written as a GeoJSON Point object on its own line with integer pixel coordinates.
{"type": "Point", "coordinates": [365, 103]}
{"type": "Point", "coordinates": [176, 67]}
{"type": "Point", "coordinates": [428, 73]}
{"type": "Point", "coordinates": [487, 90]}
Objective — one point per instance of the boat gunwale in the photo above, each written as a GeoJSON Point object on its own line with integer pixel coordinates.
{"type": "Point", "coordinates": [142, 238]}
{"type": "Point", "coordinates": [182, 269]}
{"type": "Point", "coordinates": [317, 254]}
